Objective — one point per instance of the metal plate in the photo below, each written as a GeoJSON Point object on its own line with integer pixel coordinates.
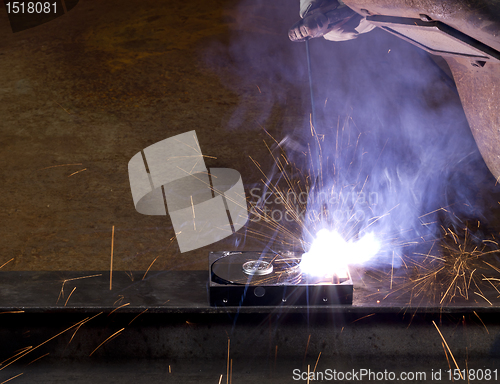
{"type": "Point", "coordinates": [435, 37]}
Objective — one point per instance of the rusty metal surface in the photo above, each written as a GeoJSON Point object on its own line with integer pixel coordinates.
{"type": "Point", "coordinates": [479, 90]}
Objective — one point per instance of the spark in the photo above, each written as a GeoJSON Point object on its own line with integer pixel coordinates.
{"type": "Point", "coordinates": [214, 190]}
{"type": "Point", "coordinates": [317, 361]}
{"type": "Point", "coordinates": [275, 356]}
{"type": "Point", "coordinates": [467, 364]}
{"type": "Point", "coordinates": [121, 306]}
{"type": "Point", "coordinates": [11, 378]}
{"type": "Point", "coordinates": [268, 134]}
{"type": "Point", "coordinates": [490, 279]}
{"type": "Point", "coordinates": [21, 351]}
{"type": "Point", "coordinates": [364, 317]}
{"type": "Point", "coordinates": [392, 271]}
{"type": "Point", "coordinates": [189, 157]}
{"type": "Point", "coordinates": [481, 322]}
{"type": "Point", "coordinates": [220, 379]}
{"type": "Point", "coordinates": [4, 264]}
{"type": "Point", "coordinates": [227, 367]}
{"type": "Point", "coordinates": [1, 313]}
{"type": "Point", "coordinates": [130, 275]}
{"type": "Point", "coordinates": [451, 285]}
{"type": "Point", "coordinates": [262, 215]}
{"type": "Point", "coordinates": [150, 265]}
{"type": "Point", "coordinates": [489, 302]}
{"type": "Point", "coordinates": [81, 323]}
{"type": "Point", "coordinates": [111, 263]}
{"type": "Point", "coordinates": [74, 173]}
{"type": "Point", "coordinates": [60, 165]}
{"type": "Point", "coordinates": [198, 149]}
{"type": "Point", "coordinates": [46, 341]}
{"type": "Point", "coordinates": [76, 330]}
{"type": "Point", "coordinates": [65, 110]}
{"type": "Point", "coordinates": [493, 267]}
{"type": "Point", "coordinates": [455, 269]}
{"type": "Point", "coordinates": [231, 373]}
{"type": "Point", "coordinates": [446, 354]}
{"type": "Point", "coordinates": [194, 216]}
{"type": "Point", "coordinates": [108, 339]}
{"type": "Point", "coordinates": [87, 319]}
{"type": "Point", "coordinates": [137, 317]}
{"type": "Point", "coordinates": [69, 296]}
{"type": "Point", "coordinates": [119, 300]}
{"type": "Point", "coordinates": [449, 350]}
{"type": "Point", "coordinates": [61, 292]}
{"type": "Point", "coordinates": [307, 346]}
{"type": "Point", "coordinates": [38, 358]}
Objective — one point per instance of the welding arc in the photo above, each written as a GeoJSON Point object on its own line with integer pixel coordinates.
{"type": "Point", "coordinates": [308, 55]}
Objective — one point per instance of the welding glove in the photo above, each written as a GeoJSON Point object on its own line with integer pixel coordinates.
{"type": "Point", "coordinates": [309, 5]}
{"type": "Point", "coordinates": [331, 19]}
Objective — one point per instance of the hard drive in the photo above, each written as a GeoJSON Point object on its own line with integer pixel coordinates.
{"type": "Point", "coordinates": [252, 278]}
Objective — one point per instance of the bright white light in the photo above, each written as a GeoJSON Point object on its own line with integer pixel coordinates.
{"type": "Point", "coordinates": [330, 254]}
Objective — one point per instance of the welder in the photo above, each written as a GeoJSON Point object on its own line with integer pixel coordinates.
{"type": "Point", "coordinates": [466, 33]}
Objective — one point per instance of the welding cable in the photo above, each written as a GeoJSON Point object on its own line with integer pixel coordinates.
{"type": "Point", "coordinates": [309, 72]}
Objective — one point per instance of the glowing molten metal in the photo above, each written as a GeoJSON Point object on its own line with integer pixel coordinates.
{"type": "Point", "coordinates": [330, 254]}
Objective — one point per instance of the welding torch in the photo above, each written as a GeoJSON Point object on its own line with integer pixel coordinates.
{"type": "Point", "coordinates": [320, 18]}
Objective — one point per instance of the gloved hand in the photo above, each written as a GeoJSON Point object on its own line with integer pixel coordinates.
{"type": "Point", "coordinates": [329, 18]}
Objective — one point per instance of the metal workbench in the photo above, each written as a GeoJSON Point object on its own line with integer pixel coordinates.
{"type": "Point", "coordinates": [167, 332]}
